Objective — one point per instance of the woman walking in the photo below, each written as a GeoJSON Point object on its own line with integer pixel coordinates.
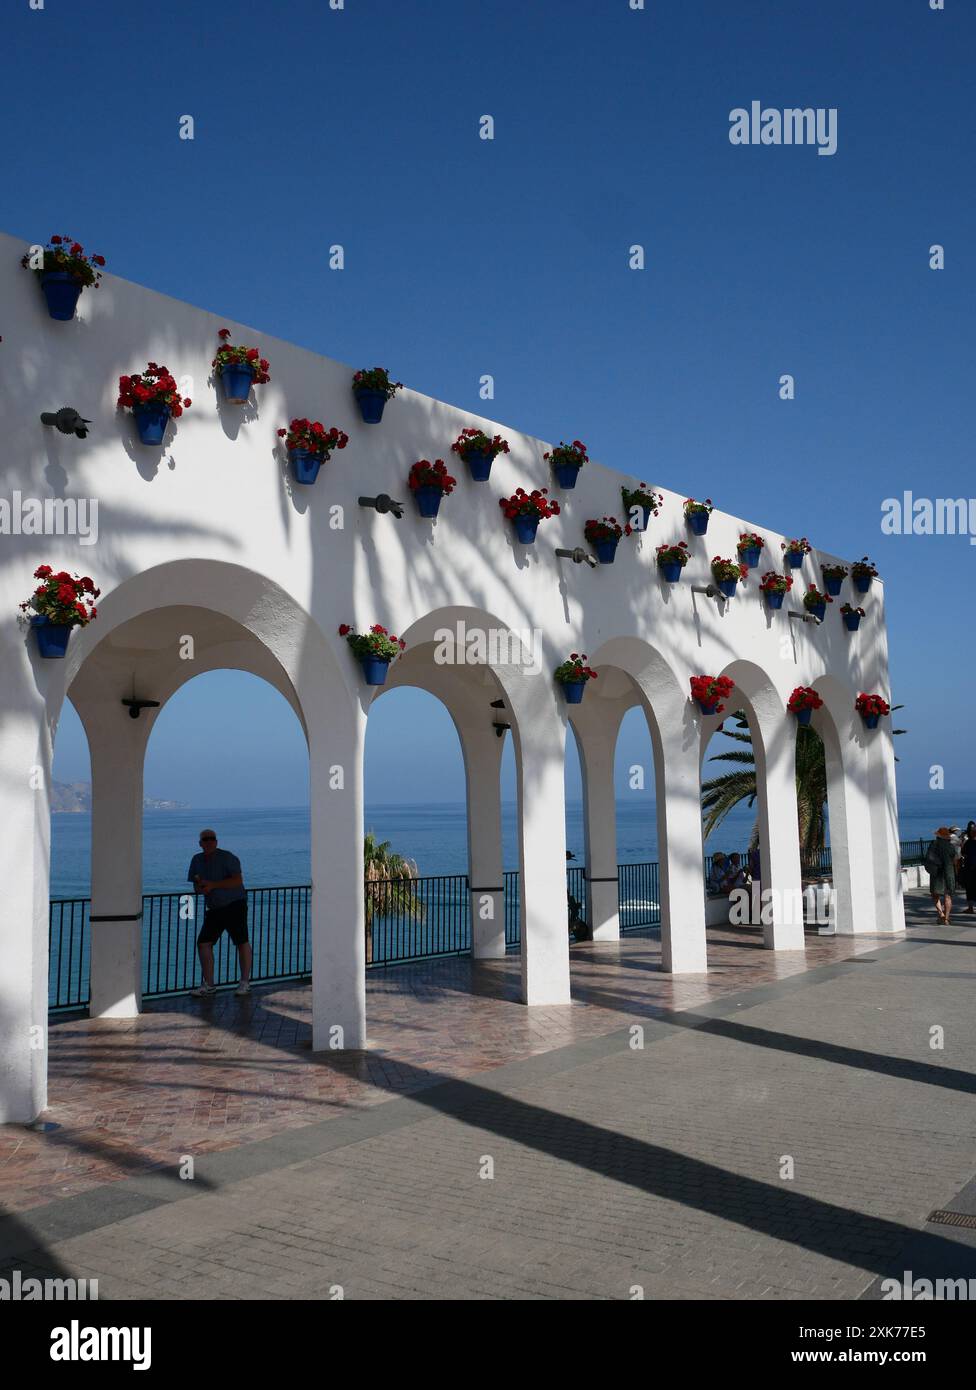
{"type": "Point", "coordinates": [940, 861]}
{"type": "Point", "coordinates": [968, 854]}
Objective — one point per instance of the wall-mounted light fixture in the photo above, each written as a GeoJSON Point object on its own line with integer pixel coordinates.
{"type": "Point", "coordinates": [134, 706]}
{"type": "Point", "coordinates": [579, 556]}
{"type": "Point", "coordinates": [806, 618]}
{"type": "Point", "coordinates": [497, 725]}
{"type": "Point", "coordinates": [384, 503]}
{"type": "Point", "coordinates": [709, 590]}
{"type": "Point", "coordinates": [67, 420]}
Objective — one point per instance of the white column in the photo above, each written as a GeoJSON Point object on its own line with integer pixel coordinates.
{"type": "Point", "coordinates": [850, 829]}
{"type": "Point", "coordinates": [597, 744]}
{"type": "Point", "coordinates": [889, 901]}
{"type": "Point", "coordinates": [679, 837]}
{"type": "Point", "coordinates": [336, 742]}
{"type": "Point", "coordinates": [117, 745]}
{"type": "Point", "coordinates": [774, 750]}
{"type": "Point", "coordinates": [25, 848]}
{"type": "Point", "coordinates": [482, 749]}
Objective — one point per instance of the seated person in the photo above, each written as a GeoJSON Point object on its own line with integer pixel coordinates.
{"type": "Point", "coordinates": [735, 876]}
{"type": "Point", "coordinates": [716, 875]}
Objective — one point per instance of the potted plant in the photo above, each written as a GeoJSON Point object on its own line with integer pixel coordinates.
{"type": "Point", "coordinates": [833, 577]}
{"type": "Point", "coordinates": [309, 445]}
{"type": "Point", "coordinates": [710, 691]}
{"type": "Point", "coordinates": [372, 388]}
{"type": "Point", "coordinates": [795, 551]}
{"type": "Point", "coordinates": [803, 702]}
{"type": "Point", "coordinates": [479, 452]}
{"type": "Point", "coordinates": [153, 397]}
{"type": "Point", "coordinates": [604, 536]}
{"type": "Point", "coordinates": [239, 368]}
{"type": "Point", "coordinates": [671, 560]}
{"type": "Point", "coordinates": [58, 604]}
{"type": "Point", "coordinates": [374, 650]}
{"type": "Point", "coordinates": [567, 460]}
{"type": "Point", "coordinates": [727, 574]}
{"type": "Point", "coordinates": [526, 509]}
{"type": "Point", "coordinates": [573, 675]}
{"type": "Point", "coordinates": [852, 616]}
{"type": "Point", "coordinates": [697, 514]}
{"type": "Point", "coordinates": [63, 273]}
{"type": "Point", "coordinates": [429, 482]}
{"type": "Point", "coordinates": [815, 602]}
{"type": "Point", "coordinates": [643, 499]}
{"type": "Point", "coordinates": [862, 572]}
{"type": "Point", "coordinates": [774, 588]}
{"type": "Point", "coordinates": [871, 708]}
{"type": "Point", "coordinates": [750, 545]}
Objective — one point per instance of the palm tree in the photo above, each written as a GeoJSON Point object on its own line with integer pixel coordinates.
{"type": "Point", "coordinates": [388, 886]}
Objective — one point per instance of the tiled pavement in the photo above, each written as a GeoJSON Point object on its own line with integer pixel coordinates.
{"type": "Point", "coordinates": [613, 1166]}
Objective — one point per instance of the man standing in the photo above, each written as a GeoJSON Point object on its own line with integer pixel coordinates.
{"type": "Point", "coordinates": [216, 873]}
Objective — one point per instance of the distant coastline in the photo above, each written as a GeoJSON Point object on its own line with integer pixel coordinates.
{"type": "Point", "coordinates": [74, 798]}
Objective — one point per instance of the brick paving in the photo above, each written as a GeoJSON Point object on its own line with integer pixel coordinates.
{"type": "Point", "coordinates": [612, 1167]}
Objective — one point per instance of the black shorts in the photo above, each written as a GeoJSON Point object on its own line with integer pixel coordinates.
{"type": "Point", "coordinates": [232, 917]}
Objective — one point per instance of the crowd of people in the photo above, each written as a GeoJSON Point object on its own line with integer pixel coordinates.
{"type": "Point", "coordinates": [731, 871]}
{"type": "Point", "coordinates": [951, 861]}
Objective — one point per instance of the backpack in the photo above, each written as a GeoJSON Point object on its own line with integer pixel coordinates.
{"type": "Point", "coordinates": [933, 859]}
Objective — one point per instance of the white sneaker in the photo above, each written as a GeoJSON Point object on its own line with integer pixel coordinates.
{"type": "Point", "coordinates": [243, 988]}
{"type": "Point", "coordinates": [203, 991]}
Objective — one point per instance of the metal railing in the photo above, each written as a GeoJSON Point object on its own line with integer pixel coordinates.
{"type": "Point", "coordinates": [408, 920]}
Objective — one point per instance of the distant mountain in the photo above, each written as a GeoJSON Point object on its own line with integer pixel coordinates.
{"type": "Point", "coordinates": [67, 797]}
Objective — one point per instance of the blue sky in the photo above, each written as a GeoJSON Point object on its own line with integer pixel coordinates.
{"type": "Point", "coordinates": [510, 256]}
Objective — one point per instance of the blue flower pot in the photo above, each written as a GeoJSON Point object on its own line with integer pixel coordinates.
{"type": "Point", "coordinates": [709, 708]}
{"type": "Point", "coordinates": [371, 405]}
{"type": "Point", "coordinates": [428, 500]}
{"type": "Point", "coordinates": [479, 466]}
{"type": "Point", "coordinates": [645, 517]}
{"type": "Point", "coordinates": [750, 557]}
{"type": "Point", "coordinates": [774, 598]}
{"type": "Point", "coordinates": [606, 551]}
{"type": "Point", "coordinates": [794, 558]}
{"type": "Point", "coordinates": [526, 528]}
{"type": "Point", "coordinates": [698, 521]}
{"type": "Point", "coordinates": [862, 582]}
{"type": "Point", "coordinates": [803, 716]}
{"type": "Point", "coordinates": [852, 621]}
{"type": "Point", "coordinates": [151, 422]}
{"type": "Point", "coordinates": [818, 610]}
{"type": "Point", "coordinates": [52, 638]}
{"type": "Point", "coordinates": [61, 291]}
{"type": "Point", "coordinates": [832, 585]}
{"type": "Point", "coordinates": [566, 473]}
{"type": "Point", "coordinates": [374, 669]}
{"type": "Point", "coordinates": [671, 570]}
{"type": "Point", "coordinates": [573, 690]}
{"type": "Point", "coordinates": [305, 464]}
{"type": "Point", "coordinates": [727, 587]}
{"type": "Point", "coordinates": [237, 382]}
{"type": "Point", "coordinates": [871, 720]}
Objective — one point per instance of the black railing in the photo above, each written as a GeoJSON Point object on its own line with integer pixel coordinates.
{"type": "Point", "coordinates": [412, 919]}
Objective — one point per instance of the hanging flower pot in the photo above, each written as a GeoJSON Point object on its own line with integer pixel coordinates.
{"type": "Point", "coordinates": [727, 574]}
{"type": "Point", "coordinates": [572, 675]}
{"type": "Point", "coordinates": [852, 617]}
{"type": "Point", "coordinates": [816, 603]}
{"type": "Point", "coordinates": [567, 460]}
{"type": "Point", "coordinates": [239, 368]}
{"type": "Point", "coordinates": [59, 603]}
{"type": "Point", "coordinates": [309, 445]}
{"type": "Point", "coordinates": [429, 482]}
{"type": "Point", "coordinates": [372, 388]}
{"type": "Point", "coordinates": [710, 692]}
{"type": "Point", "coordinates": [237, 382]}
{"type": "Point", "coordinates": [153, 397]}
{"type": "Point", "coordinates": [640, 503]}
{"type": "Point", "coordinates": [604, 536]}
{"type": "Point", "coordinates": [671, 560]}
{"type": "Point", "coordinates": [871, 708]}
{"type": "Point", "coordinates": [697, 514]}
{"type": "Point", "coordinates": [862, 572]}
{"type": "Point", "coordinates": [479, 452]}
{"type": "Point", "coordinates": [803, 702]}
{"type": "Point", "coordinates": [795, 551]}
{"type": "Point", "coordinates": [374, 650]}
{"type": "Point", "coordinates": [833, 578]}
{"type": "Point", "coordinates": [63, 271]}
{"type": "Point", "coordinates": [749, 547]}
{"type": "Point", "coordinates": [526, 509]}
{"type": "Point", "coordinates": [774, 588]}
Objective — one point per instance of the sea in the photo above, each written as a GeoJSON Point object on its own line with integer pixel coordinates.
{"type": "Point", "coordinates": [273, 843]}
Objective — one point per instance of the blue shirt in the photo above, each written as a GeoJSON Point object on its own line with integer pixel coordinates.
{"type": "Point", "coordinates": [221, 864]}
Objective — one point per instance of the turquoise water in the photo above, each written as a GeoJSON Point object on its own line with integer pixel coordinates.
{"type": "Point", "coordinates": [273, 845]}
